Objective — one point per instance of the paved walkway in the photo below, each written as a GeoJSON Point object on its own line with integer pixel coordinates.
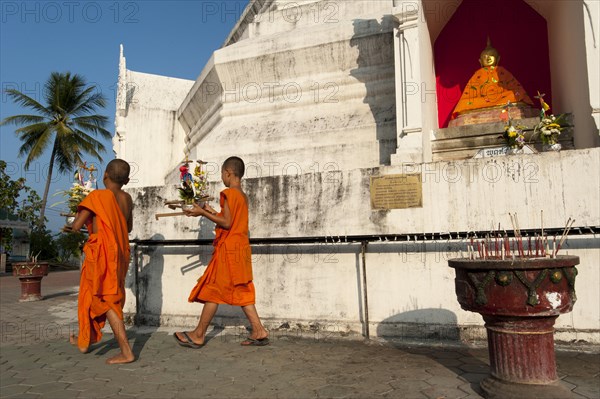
{"type": "Point", "coordinates": [36, 361]}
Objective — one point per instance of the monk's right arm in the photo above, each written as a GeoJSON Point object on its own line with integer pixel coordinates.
{"type": "Point", "coordinates": [130, 213]}
{"type": "Point", "coordinates": [224, 221]}
{"type": "Point", "coordinates": [83, 215]}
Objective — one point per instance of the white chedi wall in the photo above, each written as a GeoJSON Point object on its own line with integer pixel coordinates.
{"type": "Point", "coordinates": [410, 288]}
{"type": "Point", "coordinates": [299, 97]}
{"type": "Point", "coordinates": [148, 134]}
{"type": "Point", "coordinates": [311, 107]}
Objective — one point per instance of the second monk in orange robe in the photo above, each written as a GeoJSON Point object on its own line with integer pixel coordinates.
{"type": "Point", "coordinates": [107, 215]}
{"type": "Point", "coordinates": [228, 277]}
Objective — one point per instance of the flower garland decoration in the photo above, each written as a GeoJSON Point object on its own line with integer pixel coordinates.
{"type": "Point", "coordinates": [80, 188]}
{"type": "Point", "coordinates": [550, 127]}
{"type": "Point", "coordinates": [513, 134]}
{"type": "Point", "coordinates": [193, 187]}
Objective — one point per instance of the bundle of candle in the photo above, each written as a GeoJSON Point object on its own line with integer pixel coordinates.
{"type": "Point", "coordinates": [498, 246]}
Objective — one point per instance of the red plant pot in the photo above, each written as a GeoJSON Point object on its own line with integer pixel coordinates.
{"type": "Point", "coordinates": [30, 274]}
{"type": "Point", "coordinates": [519, 300]}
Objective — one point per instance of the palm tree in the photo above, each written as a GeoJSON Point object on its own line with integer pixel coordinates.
{"type": "Point", "coordinates": [67, 123]}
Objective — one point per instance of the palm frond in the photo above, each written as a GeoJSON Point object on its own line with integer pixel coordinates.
{"type": "Point", "coordinates": [32, 130]}
{"type": "Point", "coordinates": [35, 145]}
{"type": "Point", "coordinates": [93, 124]}
{"type": "Point", "coordinates": [88, 101]}
{"type": "Point", "coordinates": [71, 146]}
{"type": "Point", "coordinates": [98, 120]}
{"type": "Point", "coordinates": [89, 144]}
{"type": "Point", "coordinates": [65, 161]}
{"type": "Point", "coordinates": [62, 90]}
{"type": "Point", "coordinates": [26, 146]}
{"type": "Point", "coordinates": [68, 154]}
{"type": "Point", "coordinates": [25, 101]}
{"type": "Point", "coordinates": [22, 119]}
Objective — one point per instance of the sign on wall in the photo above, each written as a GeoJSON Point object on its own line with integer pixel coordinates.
{"type": "Point", "coordinates": [396, 191]}
{"type": "Point", "coordinates": [501, 151]}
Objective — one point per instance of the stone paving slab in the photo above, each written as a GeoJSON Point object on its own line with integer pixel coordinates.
{"type": "Point", "coordinates": [36, 361]}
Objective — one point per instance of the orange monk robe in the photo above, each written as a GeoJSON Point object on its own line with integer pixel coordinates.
{"type": "Point", "coordinates": [102, 283]}
{"type": "Point", "coordinates": [228, 277]}
{"type": "Point", "coordinates": [490, 87]}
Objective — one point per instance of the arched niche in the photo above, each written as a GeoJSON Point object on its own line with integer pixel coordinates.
{"type": "Point", "coordinates": [516, 30]}
{"type": "Point", "coordinates": [572, 31]}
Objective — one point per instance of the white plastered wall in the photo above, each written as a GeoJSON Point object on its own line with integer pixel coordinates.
{"type": "Point", "coordinates": [149, 136]}
{"type": "Point", "coordinates": [409, 285]}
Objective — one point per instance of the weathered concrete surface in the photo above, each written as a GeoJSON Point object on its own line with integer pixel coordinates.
{"type": "Point", "coordinates": [410, 287]}
{"type": "Point", "coordinates": [466, 195]}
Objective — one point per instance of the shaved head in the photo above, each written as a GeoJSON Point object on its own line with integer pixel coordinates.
{"type": "Point", "coordinates": [235, 165]}
{"type": "Point", "coordinates": [118, 171]}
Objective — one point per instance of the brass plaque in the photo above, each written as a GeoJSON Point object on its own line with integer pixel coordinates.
{"type": "Point", "coordinates": [396, 191]}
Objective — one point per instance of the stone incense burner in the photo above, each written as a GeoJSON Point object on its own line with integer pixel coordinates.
{"type": "Point", "coordinates": [519, 300]}
{"type": "Point", "coordinates": [30, 274]}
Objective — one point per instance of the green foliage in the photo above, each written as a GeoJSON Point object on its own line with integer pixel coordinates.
{"type": "Point", "coordinates": [19, 200]}
{"type": "Point", "coordinates": [30, 207]}
{"type": "Point", "coordinates": [41, 242]}
{"type": "Point", "coordinates": [68, 246]}
{"type": "Point", "coordinates": [186, 193]}
{"type": "Point", "coordinates": [9, 190]}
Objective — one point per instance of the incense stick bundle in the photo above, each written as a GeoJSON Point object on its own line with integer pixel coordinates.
{"type": "Point", "coordinates": [565, 234]}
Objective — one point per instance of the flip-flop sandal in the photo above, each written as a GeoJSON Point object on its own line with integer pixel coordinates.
{"type": "Point", "coordinates": [187, 344]}
{"type": "Point", "coordinates": [255, 342]}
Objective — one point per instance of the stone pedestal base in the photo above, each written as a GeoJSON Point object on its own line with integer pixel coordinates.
{"type": "Point", "coordinates": [31, 289]}
{"type": "Point", "coordinates": [493, 114]}
{"type": "Point", "coordinates": [522, 358]}
{"type": "Point", "coordinates": [494, 388]}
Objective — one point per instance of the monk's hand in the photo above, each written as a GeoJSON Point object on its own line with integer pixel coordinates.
{"type": "Point", "coordinates": [209, 209]}
{"type": "Point", "coordinates": [195, 211]}
{"type": "Point", "coordinates": [67, 229]}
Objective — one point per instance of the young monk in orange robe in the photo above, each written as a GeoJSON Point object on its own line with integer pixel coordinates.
{"type": "Point", "coordinates": [228, 277]}
{"type": "Point", "coordinates": [108, 217]}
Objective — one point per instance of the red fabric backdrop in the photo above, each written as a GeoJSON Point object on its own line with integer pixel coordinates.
{"type": "Point", "coordinates": [516, 30]}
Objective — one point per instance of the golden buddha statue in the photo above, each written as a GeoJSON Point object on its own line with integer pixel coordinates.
{"type": "Point", "coordinates": [490, 89]}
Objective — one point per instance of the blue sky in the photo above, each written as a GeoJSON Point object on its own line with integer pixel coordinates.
{"type": "Point", "coordinates": [170, 38]}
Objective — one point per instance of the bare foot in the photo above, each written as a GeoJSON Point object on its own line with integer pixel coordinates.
{"type": "Point", "coordinates": [73, 341]}
{"type": "Point", "coordinates": [120, 359]}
